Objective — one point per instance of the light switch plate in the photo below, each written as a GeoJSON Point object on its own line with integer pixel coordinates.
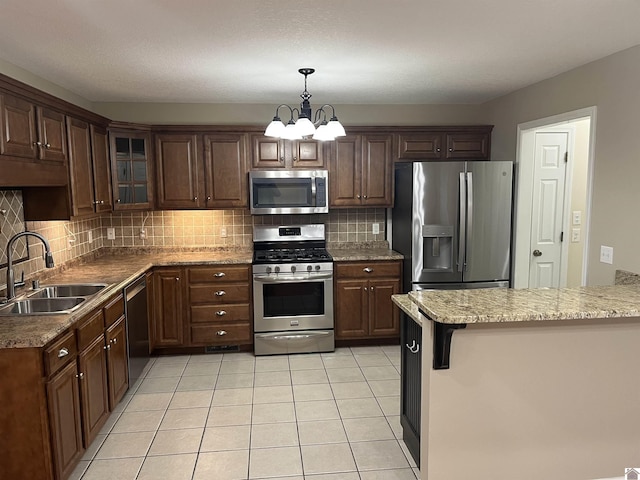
{"type": "Point", "coordinates": [577, 217]}
{"type": "Point", "coordinates": [575, 235]}
{"type": "Point", "coordinates": [375, 228]}
{"type": "Point", "coordinates": [223, 232]}
{"type": "Point", "coordinates": [90, 236]}
{"type": "Point", "coordinates": [606, 254]}
{"type": "Point", "coordinates": [111, 233]}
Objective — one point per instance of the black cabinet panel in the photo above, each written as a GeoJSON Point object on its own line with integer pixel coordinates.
{"type": "Point", "coordinates": [410, 393]}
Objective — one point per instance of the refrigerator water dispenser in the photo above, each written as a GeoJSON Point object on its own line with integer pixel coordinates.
{"type": "Point", "coordinates": [437, 244]}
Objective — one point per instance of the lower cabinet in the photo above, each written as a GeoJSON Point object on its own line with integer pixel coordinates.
{"type": "Point", "coordinates": [363, 307]}
{"type": "Point", "coordinates": [411, 384]}
{"type": "Point", "coordinates": [56, 399]}
{"type": "Point", "coordinates": [202, 306]}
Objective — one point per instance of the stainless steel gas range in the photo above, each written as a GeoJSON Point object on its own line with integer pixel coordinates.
{"type": "Point", "coordinates": [292, 290]}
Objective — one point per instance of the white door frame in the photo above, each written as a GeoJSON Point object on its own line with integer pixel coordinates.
{"type": "Point", "coordinates": [524, 188]}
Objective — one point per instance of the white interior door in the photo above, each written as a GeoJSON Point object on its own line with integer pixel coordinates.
{"type": "Point", "coordinates": [548, 208]}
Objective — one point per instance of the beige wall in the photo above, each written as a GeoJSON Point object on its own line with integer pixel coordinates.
{"type": "Point", "coordinates": [261, 114]}
{"type": "Point", "coordinates": [610, 84]}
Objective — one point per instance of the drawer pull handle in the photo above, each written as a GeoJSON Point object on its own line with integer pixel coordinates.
{"type": "Point", "coordinates": [220, 293]}
{"type": "Point", "coordinates": [221, 333]}
{"type": "Point", "coordinates": [367, 269]}
{"type": "Point", "coordinates": [219, 274]}
{"type": "Point", "coordinates": [63, 352]}
{"type": "Point", "coordinates": [221, 313]}
{"type": "Point", "coordinates": [414, 347]}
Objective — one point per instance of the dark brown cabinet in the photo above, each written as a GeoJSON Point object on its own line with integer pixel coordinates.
{"type": "Point", "coordinates": [444, 143]}
{"type": "Point", "coordinates": [131, 170]}
{"type": "Point", "coordinates": [65, 419]}
{"type": "Point", "coordinates": [179, 175]}
{"type": "Point", "coordinates": [103, 199]}
{"type": "Point", "coordinates": [92, 366]}
{"type": "Point", "coordinates": [118, 368]}
{"type": "Point", "coordinates": [363, 306]}
{"type": "Point", "coordinates": [361, 171]}
{"type": "Point", "coordinates": [33, 144]}
{"type": "Point", "coordinates": [268, 152]}
{"type": "Point", "coordinates": [168, 314]}
{"type": "Point", "coordinates": [80, 167]}
{"type": "Point", "coordinates": [219, 305]}
{"type": "Point", "coordinates": [225, 170]}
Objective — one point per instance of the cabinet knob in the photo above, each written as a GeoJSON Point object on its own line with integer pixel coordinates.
{"type": "Point", "coordinates": [47, 145]}
{"type": "Point", "coordinates": [114, 340]}
{"type": "Point", "coordinates": [365, 197]}
{"type": "Point", "coordinates": [451, 149]}
{"type": "Point", "coordinates": [358, 197]}
{"type": "Point", "coordinates": [99, 202]}
{"type": "Point", "coordinates": [63, 353]}
{"type": "Point", "coordinates": [221, 333]}
{"type": "Point", "coordinates": [220, 293]}
{"type": "Point", "coordinates": [367, 270]}
{"type": "Point", "coordinates": [80, 375]}
{"type": "Point", "coordinates": [118, 200]}
{"type": "Point", "coordinates": [437, 149]}
{"type": "Point", "coordinates": [282, 159]}
{"type": "Point", "coordinates": [371, 288]}
{"type": "Point", "coordinates": [208, 198]}
{"type": "Point", "coordinates": [177, 279]}
{"type": "Point", "coordinates": [37, 144]}
{"type": "Point", "coordinates": [366, 289]}
{"type": "Point", "coordinates": [108, 347]}
{"type": "Point", "coordinates": [221, 313]}
{"type": "Point", "coordinates": [195, 199]}
{"type": "Point", "coordinates": [219, 274]}
{"type": "Point", "coordinates": [295, 159]}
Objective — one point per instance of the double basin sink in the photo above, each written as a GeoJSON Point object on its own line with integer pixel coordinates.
{"type": "Point", "coordinates": [52, 299]}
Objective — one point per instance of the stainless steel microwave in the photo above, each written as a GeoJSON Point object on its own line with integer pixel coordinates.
{"type": "Point", "coordinates": [289, 191]}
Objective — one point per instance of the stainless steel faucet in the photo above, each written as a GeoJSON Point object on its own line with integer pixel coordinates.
{"type": "Point", "coordinates": [48, 259]}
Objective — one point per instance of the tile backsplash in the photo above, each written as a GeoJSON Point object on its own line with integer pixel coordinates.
{"type": "Point", "coordinates": [188, 228]}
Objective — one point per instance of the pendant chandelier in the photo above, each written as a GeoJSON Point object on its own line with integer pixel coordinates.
{"type": "Point", "coordinates": [300, 121]}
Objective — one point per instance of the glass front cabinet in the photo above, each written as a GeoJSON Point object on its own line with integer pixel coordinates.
{"type": "Point", "coordinates": [131, 170]}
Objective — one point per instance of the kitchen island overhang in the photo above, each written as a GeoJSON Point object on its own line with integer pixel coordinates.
{"type": "Point", "coordinates": [544, 396]}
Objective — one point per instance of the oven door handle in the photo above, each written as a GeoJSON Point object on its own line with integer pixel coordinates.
{"type": "Point", "coordinates": [292, 336]}
{"type": "Point", "coordinates": [270, 279]}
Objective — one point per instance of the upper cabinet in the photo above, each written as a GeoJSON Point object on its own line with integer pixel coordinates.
{"type": "Point", "coordinates": [179, 175]}
{"type": "Point", "coordinates": [361, 171]}
{"type": "Point", "coordinates": [33, 144]}
{"type": "Point", "coordinates": [80, 167]}
{"type": "Point", "coordinates": [269, 152]}
{"type": "Point", "coordinates": [131, 170]}
{"type": "Point", "coordinates": [101, 170]}
{"type": "Point", "coordinates": [225, 157]}
{"type": "Point", "coordinates": [444, 143]}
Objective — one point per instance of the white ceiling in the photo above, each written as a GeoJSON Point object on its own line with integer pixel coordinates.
{"type": "Point", "coordinates": [364, 51]}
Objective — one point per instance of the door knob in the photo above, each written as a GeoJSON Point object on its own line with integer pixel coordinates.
{"type": "Point", "coordinates": [537, 253]}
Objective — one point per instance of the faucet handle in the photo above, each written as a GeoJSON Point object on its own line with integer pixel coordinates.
{"type": "Point", "coordinates": [21, 282]}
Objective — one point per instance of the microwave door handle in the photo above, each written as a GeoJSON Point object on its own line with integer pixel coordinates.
{"type": "Point", "coordinates": [313, 191]}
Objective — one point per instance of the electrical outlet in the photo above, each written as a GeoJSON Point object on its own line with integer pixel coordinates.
{"type": "Point", "coordinates": [90, 236]}
{"type": "Point", "coordinates": [606, 254]}
{"type": "Point", "coordinates": [111, 233]}
{"type": "Point", "coordinates": [577, 217]}
{"type": "Point", "coordinates": [143, 233]}
{"type": "Point", "coordinates": [223, 232]}
{"type": "Point", "coordinates": [575, 235]}
{"type": "Point", "coordinates": [70, 242]}
{"type": "Point", "coordinates": [376, 228]}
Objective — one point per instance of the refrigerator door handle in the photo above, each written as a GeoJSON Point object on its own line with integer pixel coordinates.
{"type": "Point", "coordinates": [469, 208]}
{"type": "Point", "coordinates": [462, 233]}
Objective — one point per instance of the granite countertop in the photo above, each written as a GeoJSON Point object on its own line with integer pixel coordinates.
{"type": "Point", "coordinates": [116, 269]}
{"type": "Point", "coordinates": [410, 308]}
{"type": "Point", "coordinates": [496, 305]}
{"type": "Point", "coordinates": [363, 254]}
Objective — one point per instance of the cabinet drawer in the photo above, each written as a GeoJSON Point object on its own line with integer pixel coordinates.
{"type": "Point", "coordinates": [61, 352]}
{"type": "Point", "coordinates": [357, 270]}
{"type": "Point", "coordinates": [220, 334]}
{"type": "Point", "coordinates": [220, 313]}
{"type": "Point", "coordinates": [219, 294]}
{"type": "Point", "coordinates": [113, 311]}
{"type": "Point", "coordinates": [217, 275]}
{"type": "Point", "coordinates": [90, 329]}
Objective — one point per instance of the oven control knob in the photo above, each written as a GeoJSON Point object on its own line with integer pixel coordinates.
{"type": "Point", "coordinates": [268, 269]}
{"type": "Point", "coordinates": [309, 268]}
{"type": "Point", "coordinates": [293, 269]}
{"type": "Point", "coordinates": [317, 267]}
{"type": "Point", "coordinates": [277, 269]}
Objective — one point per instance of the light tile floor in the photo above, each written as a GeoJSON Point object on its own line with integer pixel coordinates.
{"type": "Point", "coordinates": [234, 416]}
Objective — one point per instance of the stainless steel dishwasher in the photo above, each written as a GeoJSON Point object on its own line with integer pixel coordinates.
{"type": "Point", "coordinates": [136, 313]}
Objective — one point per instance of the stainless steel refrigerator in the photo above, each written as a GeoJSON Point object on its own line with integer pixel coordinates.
{"type": "Point", "coordinates": [452, 222]}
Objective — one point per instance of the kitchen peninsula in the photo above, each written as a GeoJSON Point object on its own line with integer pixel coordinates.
{"type": "Point", "coordinates": [541, 382]}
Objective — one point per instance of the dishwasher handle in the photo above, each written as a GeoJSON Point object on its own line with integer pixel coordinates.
{"type": "Point", "coordinates": [135, 288]}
